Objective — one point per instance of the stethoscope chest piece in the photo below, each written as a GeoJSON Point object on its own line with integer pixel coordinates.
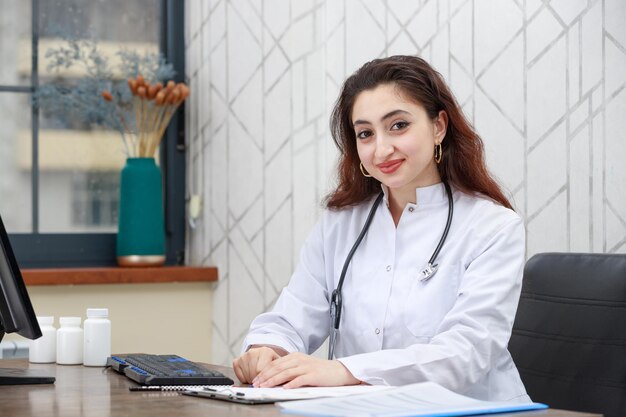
{"type": "Point", "coordinates": [428, 272]}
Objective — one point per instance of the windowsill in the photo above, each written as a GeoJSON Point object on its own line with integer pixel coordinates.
{"type": "Point", "coordinates": [117, 275]}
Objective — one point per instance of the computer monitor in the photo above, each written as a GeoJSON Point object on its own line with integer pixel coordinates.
{"type": "Point", "coordinates": [16, 313]}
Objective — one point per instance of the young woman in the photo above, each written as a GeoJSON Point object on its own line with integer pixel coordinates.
{"type": "Point", "coordinates": [419, 253]}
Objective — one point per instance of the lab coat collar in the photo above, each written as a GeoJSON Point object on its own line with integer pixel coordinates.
{"type": "Point", "coordinates": [424, 196]}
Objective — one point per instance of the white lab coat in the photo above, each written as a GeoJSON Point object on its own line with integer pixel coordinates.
{"type": "Point", "coordinates": [395, 329]}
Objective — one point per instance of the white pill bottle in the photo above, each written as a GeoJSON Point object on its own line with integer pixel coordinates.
{"type": "Point", "coordinates": [44, 349]}
{"type": "Point", "coordinates": [69, 341]}
{"type": "Point", "coordinates": [97, 345]}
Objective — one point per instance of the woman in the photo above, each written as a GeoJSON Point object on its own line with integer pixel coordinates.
{"type": "Point", "coordinates": [405, 317]}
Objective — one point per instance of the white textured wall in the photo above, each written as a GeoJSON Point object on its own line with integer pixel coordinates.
{"type": "Point", "coordinates": [543, 82]}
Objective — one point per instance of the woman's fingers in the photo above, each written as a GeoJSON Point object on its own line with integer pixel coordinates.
{"type": "Point", "coordinates": [297, 369]}
{"type": "Point", "coordinates": [241, 375]}
{"type": "Point", "coordinates": [281, 370]}
{"type": "Point", "coordinates": [252, 357]}
{"type": "Point", "coordinates": [281, 377]}
{"type": "Point", "coordinates": [264, 359]}
{"type": "Point", "coordinates": [248, 365]}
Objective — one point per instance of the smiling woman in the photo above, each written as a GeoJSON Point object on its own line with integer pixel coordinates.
{"type": "Point", "coordinates": [406, 318]}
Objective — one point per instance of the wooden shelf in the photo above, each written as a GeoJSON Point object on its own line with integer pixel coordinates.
{"type": "Point", "coordinates": [116, 275]}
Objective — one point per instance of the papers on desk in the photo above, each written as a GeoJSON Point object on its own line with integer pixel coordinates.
{"type": "Point", "coordinates": [423, 399]}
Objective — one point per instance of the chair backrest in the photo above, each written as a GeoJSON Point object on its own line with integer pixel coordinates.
{"type": "Point", "coordinates": [569, 336]}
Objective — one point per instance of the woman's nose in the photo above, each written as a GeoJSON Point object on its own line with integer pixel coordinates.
{"type": "Point", "coordinates": [384, 147]}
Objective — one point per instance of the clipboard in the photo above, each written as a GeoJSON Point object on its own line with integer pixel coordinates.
{"type": "Point", "coordinates": [248, 395]}
{"type": "Point", "coordinates": [230, 396]}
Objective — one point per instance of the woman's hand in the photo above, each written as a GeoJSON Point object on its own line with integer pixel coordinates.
{"type": "Point", "coordinates": [298, 370]}
{"type": "Point", "coordinates": [248, 365]}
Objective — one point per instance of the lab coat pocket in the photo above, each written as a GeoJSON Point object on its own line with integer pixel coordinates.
{"type": "Point", "coordinates": [428, 302]}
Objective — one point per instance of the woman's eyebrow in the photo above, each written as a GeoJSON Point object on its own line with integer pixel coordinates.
{"type": "Point", "coordinates": [382, 119]}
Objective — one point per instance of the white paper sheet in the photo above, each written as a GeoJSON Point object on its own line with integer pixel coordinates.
{"type": "Point", "coordinates": [423, 399]}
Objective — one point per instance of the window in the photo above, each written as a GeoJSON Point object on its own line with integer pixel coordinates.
{"type": "Point", "coordinates": [59, 178]}
{"type": "Point", "coordinates": [95, 201]}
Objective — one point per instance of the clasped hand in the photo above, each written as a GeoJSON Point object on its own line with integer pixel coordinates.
{"type": "Point", "coordinates": [263, 367]}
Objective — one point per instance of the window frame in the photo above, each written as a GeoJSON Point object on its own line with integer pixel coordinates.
{"type": "Point", "coordinates": [61, 250]}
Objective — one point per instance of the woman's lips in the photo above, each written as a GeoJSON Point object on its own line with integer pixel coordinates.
{"type": "Point", "coordinates": [390, 167]}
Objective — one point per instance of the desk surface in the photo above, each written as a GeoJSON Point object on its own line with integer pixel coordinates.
{"type": "Point", "coordinates": [94, 392]}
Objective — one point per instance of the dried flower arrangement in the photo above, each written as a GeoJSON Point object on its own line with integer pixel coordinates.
{"type": "Point", "coordinates": [154, 105]}
{"type": "Point", "coordinates": [138, 101]}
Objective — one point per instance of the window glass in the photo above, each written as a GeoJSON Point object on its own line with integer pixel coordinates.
{"type": "Point", "coordinates": [15, 42]}
{"type": "Point", "coordinates": [15, 162]}
{"type": "Point", "coordinates": [95, 200]}
{"type": "Point", "coordinates": [80, 161]}
{"type": "Point", "coordinates": [107, 20]}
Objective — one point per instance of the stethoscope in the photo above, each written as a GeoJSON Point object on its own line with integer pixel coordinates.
{"type": "Point", "coordinates": [427, 273]}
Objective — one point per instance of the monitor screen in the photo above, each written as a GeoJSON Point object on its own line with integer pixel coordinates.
{"type": "Point", "coordinates": [16, 312]}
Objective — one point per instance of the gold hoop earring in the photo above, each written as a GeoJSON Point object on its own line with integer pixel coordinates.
{"type": "Point", "coordinates": [365, 174]}
{"type": "Point", "coordinates": [438, 153]}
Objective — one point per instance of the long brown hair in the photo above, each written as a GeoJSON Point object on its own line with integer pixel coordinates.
{"type": "Point", "coordinates": [463, 162]}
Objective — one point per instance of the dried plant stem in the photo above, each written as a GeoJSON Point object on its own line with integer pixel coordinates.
{"type": "Point", "coordinates": [136, 140]}
{"type": "Point", "coordinates": [124, 138]}
{"type": "Point", "coordinates": [142, 129]}
{"type": "Point", "coordinates": [154, 137]}
{"type": "Point", "coordinates": [165, 120]}
{"type": "Point", "coordinates": [126, 131]}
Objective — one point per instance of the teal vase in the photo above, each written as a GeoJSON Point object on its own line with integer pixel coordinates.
{"type": "Point", "coordinates": [141, 230]}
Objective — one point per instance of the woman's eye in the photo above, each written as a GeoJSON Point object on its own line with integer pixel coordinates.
{"type": "Point", "coordinates": [399, 125]}
{"type": "Point", "coordinates": [363, 134]}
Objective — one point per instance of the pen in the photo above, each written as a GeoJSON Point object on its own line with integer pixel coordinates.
{"type": "Point", "coordinates": [166, 387]}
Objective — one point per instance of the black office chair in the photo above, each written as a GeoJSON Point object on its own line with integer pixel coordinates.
{"type": "Point", "coordinates": [569, 336]}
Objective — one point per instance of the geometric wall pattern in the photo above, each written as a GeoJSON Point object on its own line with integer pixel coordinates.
{"type": "Point", "coordinates": [544, 82]}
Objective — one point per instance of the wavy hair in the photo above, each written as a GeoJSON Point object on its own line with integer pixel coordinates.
{"type": "Point", "coordinates": [463, 164]}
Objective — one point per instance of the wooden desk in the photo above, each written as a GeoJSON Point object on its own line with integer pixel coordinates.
{"type": "Point", "coordinates": [94, 392]}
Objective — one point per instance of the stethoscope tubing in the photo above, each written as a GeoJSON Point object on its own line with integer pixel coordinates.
{"type": "Point", "coordinates": [342, 277]}
{"type": "Point", "coordinates": [336, 302]}
{"type": "Point", "coordinates": [447, 228]}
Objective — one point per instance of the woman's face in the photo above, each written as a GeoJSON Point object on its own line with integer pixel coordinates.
{"type": "Point", "coordinates": [396, 139]}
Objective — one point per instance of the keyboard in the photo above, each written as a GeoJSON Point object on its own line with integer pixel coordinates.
{"type": "Point", "coordinates": [162, 370]}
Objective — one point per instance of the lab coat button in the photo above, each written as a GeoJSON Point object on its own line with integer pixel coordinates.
{"type": "Point", "coordinates": [411, 209]}
{"type": "Point", "coordinates": [377, 331]}
{"type": "Point", "coordinates": [388, 268]}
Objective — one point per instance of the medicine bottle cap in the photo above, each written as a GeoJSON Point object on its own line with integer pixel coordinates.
{"type": "Point", "coordinates": [70, 321]}
{"type": "Point", "coordinates": [45, 320]}
{"type": "Point", "coordinates": [97, 312]}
